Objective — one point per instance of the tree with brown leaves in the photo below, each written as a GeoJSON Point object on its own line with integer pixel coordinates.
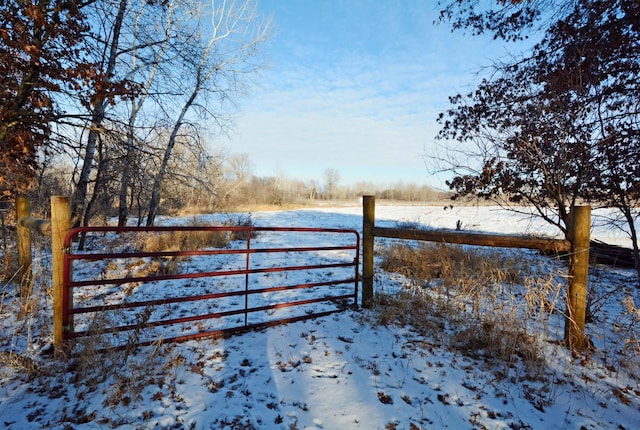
{"type": "Point", "coordinates": [40, 55]}
{"type": "Point", "coordinates": [561, 124]}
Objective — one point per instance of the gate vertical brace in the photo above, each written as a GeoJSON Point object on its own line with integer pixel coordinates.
{"type": "Point", "coordinates": [356, 271]}
{"type": "Point", "coordinates": [368, 222]}
{"type": "Point", "coordinates": [246, 280]}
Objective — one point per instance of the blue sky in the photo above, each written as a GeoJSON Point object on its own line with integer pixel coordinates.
{"type": "Point", "coordinates": [355, 85]}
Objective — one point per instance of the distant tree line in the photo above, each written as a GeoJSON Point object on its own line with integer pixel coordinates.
{"type": "Point", "coordinates": [224, 182]}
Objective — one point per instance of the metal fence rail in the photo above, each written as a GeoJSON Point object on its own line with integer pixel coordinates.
{"type": "Point", "coordinates": [231, 294]}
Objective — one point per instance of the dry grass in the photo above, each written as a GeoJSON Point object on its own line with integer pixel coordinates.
{"type": "Point", "coordinates": [177, 241]}
{"type": "Point", "coordinates": [248, 207]}
{"type": "Point", "coordinates": [193, 240]}
{"type": "Point", "coordinates": [453, 267]}
{"type": "Point", "coordinates": [467, 300]}
{"type": "Point", "coordinates": [8, 251]}
{"type": "Point", "coordinates": [181, 241]}
{"type": "Point", "coordinates": [20, 363]}
{"type": "Point", "coordinates": [630, 325]}
{"type": "Point", "coordinates": [9, 266]}
{"type": "Point", "coordinates": [128, 369]}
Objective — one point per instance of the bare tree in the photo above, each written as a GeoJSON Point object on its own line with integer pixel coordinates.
{"type": "Point", "coordinates": [213, 67]}
{"type": "Point", "coordinates": [331, 179]}
{"type": "Point", "coordinates": [98, 106]}
{"type": "Point", "coordinates": [146, 57]}
{"type": "Point", "coordinates": [240, 167]}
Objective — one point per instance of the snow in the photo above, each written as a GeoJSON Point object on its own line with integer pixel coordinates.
{"type": "Point", "coordinates": [342, 371]}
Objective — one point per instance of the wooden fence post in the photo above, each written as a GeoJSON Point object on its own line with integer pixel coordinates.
{"type": "Point", "coordinates": [578, 277]}
{"type": "Point", "coordinates": [23, 234]}
{"type": "Point", "coordinates": [368, 222]}
{"type": "Point", "coordinates": [60, 225]}
{"type": "Point", "coordinates": [7, 256]}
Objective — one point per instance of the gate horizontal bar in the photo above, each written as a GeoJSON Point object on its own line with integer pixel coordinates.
{"type": "Point", "coordinates": [217, 273]}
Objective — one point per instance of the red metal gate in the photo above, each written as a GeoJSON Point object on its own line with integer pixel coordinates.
{"type": "Point", "coordinates": [243, 286]}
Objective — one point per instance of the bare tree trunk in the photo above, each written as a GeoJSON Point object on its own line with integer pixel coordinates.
{"type": "Point", "coordinates": [136, 106]}
{"type": "Point", "coordinates": [97, 117]}
{"type": "Point", "coordinates": [99, 189]}
{"type": "Point", "coordinates": [634, 239]}
{"type": "Point", "coordinates": [125, 181]}
{"type": "Point", "coordinates": [214, 67]}
{"type": "Point", "coordinates": [154, 204]}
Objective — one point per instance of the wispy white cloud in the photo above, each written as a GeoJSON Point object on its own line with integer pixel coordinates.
{"type": "Point", "coordinates": [362, 99]}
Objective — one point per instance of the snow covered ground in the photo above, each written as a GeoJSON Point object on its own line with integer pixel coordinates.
{"type": "Point", "coordinates": [342, 371]}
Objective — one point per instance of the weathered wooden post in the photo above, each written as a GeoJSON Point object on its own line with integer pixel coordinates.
{"type": "Point", "coordinates": [23, 210]}
{"type": "Point", "coordinates": [60, 225]}
{"type": "Point", "coordinates": [368, 222]}
{"type": "Point", "coordinates": [7, 255]}
{"type": "Point", "coordinates": [578, 277]}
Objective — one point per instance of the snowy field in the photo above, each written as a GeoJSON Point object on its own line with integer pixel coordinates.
{"type": "Point", "coordinates": [341, 371]}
